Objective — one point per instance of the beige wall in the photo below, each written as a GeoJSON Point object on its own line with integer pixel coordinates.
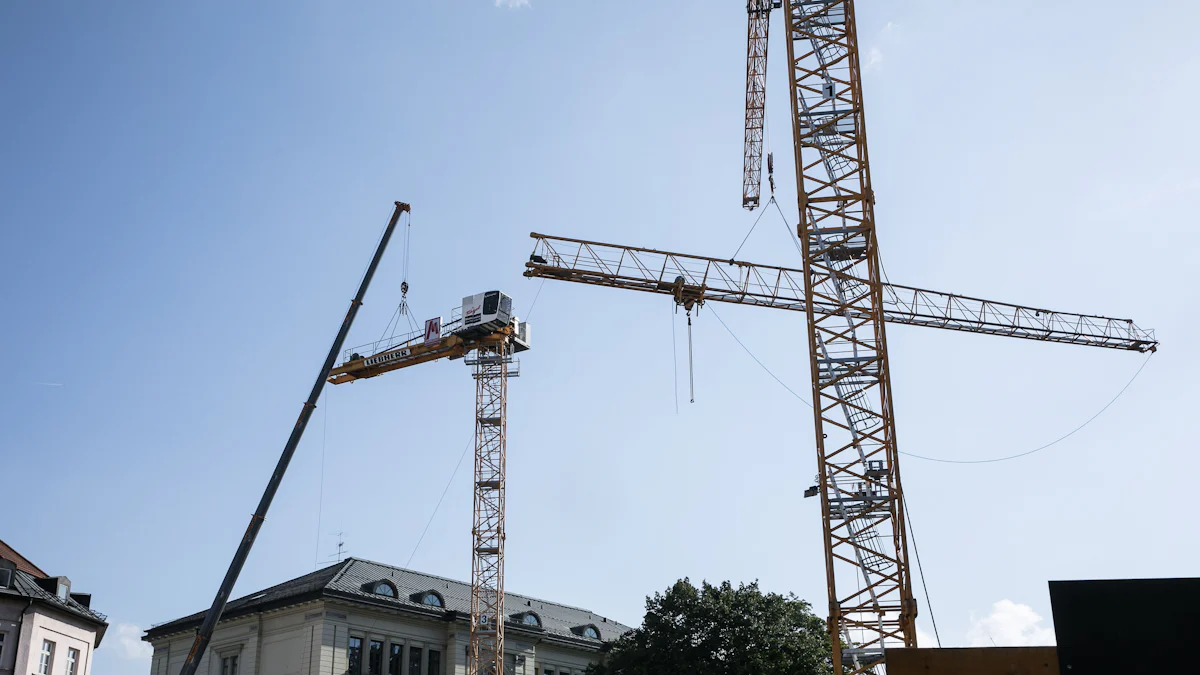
{"type": "Point", "coordinates": [66, 632]}
{"type": "Point", "coordinates": [561, 660]}
{"type": "Point", "coordinates": [312, 639]}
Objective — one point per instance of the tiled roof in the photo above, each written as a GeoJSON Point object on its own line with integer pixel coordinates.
{"type": "Point", "coordinates": [308, 584]}
{"type": "Point", "coordinates": [8, 553]}
{"type": "Point", "coordinates": [25, 585]}
{"type": "Point", "coordinates": [353, 578]}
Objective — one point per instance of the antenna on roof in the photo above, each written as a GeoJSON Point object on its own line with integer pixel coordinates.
{"type": "Point", "coordinates": [341, 547]}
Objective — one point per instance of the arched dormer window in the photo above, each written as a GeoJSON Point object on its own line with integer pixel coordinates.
{"type": "Point", "coordinates": [529, 619]}
{"type": "Point", "coordinates": [587, 631]}
{"type": "Point", "coordinates": [431, 598]}
{"type": "Point", "coordinates": [384, 588]}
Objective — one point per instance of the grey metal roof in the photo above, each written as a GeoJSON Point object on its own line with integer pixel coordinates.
{"type": "Point", "coordinates": [353, 579]}
{"type": "Point", "coordinates": [25, 585]}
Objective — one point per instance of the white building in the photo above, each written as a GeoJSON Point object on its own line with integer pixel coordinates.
{"type": "Point", "coordinates": [364, 618]}
{"type": "Point", "coordinates": [45, 627]}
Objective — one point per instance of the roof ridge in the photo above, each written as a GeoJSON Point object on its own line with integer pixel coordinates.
{"type": "Point", "coordinates": [345, 566]}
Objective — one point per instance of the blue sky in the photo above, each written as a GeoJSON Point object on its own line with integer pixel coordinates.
{"type": "Point", "coordinates": [191, 192]}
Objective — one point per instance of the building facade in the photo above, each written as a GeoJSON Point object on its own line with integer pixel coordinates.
{"type": "Point", "coordinates": [364, 618]}
{"type": "Point", "coordinates": [45, 627]}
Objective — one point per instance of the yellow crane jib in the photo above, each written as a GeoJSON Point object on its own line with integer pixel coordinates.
{"type": "Point", "coordinates": [474, 327]}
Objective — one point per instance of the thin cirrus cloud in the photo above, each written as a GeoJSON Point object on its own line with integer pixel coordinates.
{"type": "Point", "coordinates": [512, 4]}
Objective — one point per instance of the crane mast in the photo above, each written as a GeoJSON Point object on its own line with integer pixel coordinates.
{"type": "Point", "coordinates": [759, 13]}
{"type": "Point", "coordinates": [871, 603]}
{"type": "Point", "coordinates": [487, 568]}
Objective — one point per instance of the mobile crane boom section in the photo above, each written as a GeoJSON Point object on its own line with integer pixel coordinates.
{"type": "Point", "coordinates": [213, 615]}
{"type": "Point", "coordinates": [694, 280]}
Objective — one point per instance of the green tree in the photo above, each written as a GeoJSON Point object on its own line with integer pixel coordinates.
{"type": "Point", "coordinates": [722, 630]}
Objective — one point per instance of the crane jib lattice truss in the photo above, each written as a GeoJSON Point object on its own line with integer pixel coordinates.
{"type": "Point", "coordinates": [694, 279]}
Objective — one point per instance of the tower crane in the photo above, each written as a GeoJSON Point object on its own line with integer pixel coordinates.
{"type": "Point", "coordinates": [486, 334]}
{"type": "Point", "coordinates": [871, 604]}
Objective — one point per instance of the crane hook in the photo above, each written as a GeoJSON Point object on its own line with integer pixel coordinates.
{"type": "Point", "coordinates": [771, 171]}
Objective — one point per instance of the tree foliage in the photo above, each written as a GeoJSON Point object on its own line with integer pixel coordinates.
{"type": "Point", "coordinates": [722, 630]}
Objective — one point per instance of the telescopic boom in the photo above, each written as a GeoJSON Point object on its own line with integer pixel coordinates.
{"type": "Point", "coordinates": [204, 634]}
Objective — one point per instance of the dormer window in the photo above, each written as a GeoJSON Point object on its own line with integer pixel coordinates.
{"type": "Point", "coordinates": [64, 588]}
{"type": "Point", "coordinates": [530, 619]}
{"type": "Point", "coordinates": [8, 570]}
{"type": "Point", "coordinates": [588, 631]}
{"type": "Point", "coordinates": [431, 598]}
{"type": "Point", "coordinates": [384, 588]}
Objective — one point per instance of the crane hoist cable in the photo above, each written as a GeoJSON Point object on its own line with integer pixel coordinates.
{"type": "Point", "coordinates": [404, 268]}
{"type": "Point", "coordinates": [403, 309]}
{"type": "Point", "coordinates": [747, 237]}
{"type": "Point", "coordinates": [691, 372]}
{"type": "Point", "coordinates": [674, 362]}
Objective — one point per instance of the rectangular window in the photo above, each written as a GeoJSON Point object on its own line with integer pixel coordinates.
{"type": "Point", "coordinates": [435, 662]}
{"type": "Point", "coordinates": [229, 665]}
{"type": "Point", "coordinates": [72, 660]}
{"type": "Point", "coordinates": [414, 661]}
{"type": "Point", "coordinates": [547, 671]}
{"type": "Point", "coordinates": [47, 660]}
{"type": "Point", "coordinates": [375, 658]}
{"type": "Point", "coordinates": [354, 656]}
{"type": "Point", "coordinates": [5, 578]}
{"type": "Point", "coordinates": [2, 647]}
{"type": "Point", "coordinates": [395, 659]}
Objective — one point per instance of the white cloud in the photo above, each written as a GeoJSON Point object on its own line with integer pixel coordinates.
{"type": "Point", "coordinates": [130, 645]}
{"type": "Point", "coordinates": [925, 640]}
{"type": "Point", "coordinates": [512, 4]}
{"type": "Point", "coordinates": [1009, 625]}
{"type": "Point", "coordinates": [874, 59]}
{"type": "Point", "coordinates": [889, 36]}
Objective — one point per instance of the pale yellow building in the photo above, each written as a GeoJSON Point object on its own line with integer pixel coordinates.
{"type": "Point", "coordinates": [364, 618]}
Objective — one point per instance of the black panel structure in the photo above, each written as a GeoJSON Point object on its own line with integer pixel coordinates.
{"type": "Point", "coordinates": [1123, 625]}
